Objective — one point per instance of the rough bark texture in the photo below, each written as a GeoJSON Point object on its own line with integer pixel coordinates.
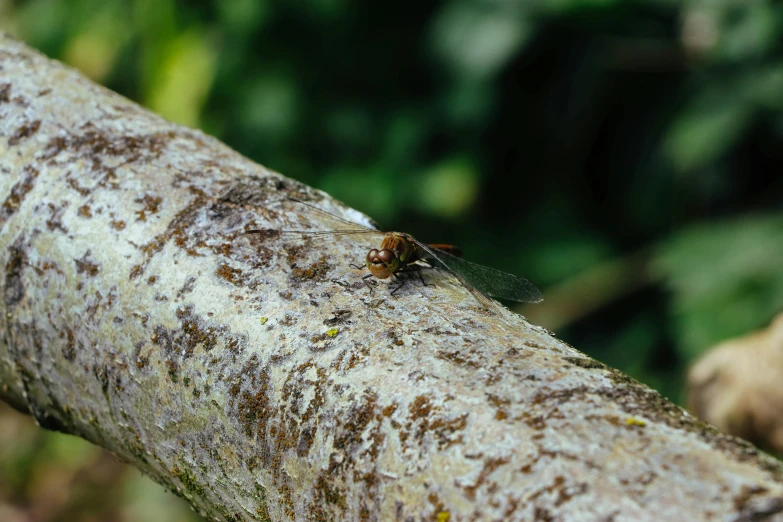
{"type": "Point", "coordinates": [259, 379]}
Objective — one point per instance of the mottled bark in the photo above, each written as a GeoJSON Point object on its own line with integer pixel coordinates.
{"type": "Point", "coordinates": [258, 377]}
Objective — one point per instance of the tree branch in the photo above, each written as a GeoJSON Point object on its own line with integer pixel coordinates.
{"type": "Point", "coordinates": [258, 377]}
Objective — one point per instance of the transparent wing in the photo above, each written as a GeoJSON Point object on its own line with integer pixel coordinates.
{"type": "Point", "coordinates": [488, 281]}
{"type": "Point", "coordinates": [339, 222]}
{"type": "Point", "coordinates": [338, 225]}
{"type": "Point", "coordinates": [346, 232]}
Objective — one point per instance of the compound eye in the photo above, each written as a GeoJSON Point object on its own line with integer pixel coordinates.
{"type": "Point", "coordinates": [371, 255]}
{"type": "Point", "coordinates": [386, 256]}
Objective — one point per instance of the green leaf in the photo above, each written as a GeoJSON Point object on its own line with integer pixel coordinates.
{"type": "Point", "coordinates": [726, 278]}
{"type": "Point", "coordinates": [706, 129]}
{"type": "Point", "coordinates": [449, 189]}
{"type": "Point", "coordinates": [180, 87]}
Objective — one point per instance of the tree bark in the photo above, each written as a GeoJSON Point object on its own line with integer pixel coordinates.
{"type": "Point", "coordinates": [259, 378]}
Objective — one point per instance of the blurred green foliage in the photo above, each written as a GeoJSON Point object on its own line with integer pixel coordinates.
{"type": "Point", "coordinates": [548, 138]}
{"type": "Point", "coordinates": [744, 280]}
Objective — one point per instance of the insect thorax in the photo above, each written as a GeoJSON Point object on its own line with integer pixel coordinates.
{"type": "Point", "coordinates": [401, 243]}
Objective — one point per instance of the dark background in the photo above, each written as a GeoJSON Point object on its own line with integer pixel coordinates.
{"type": "Point", "coordinates": [623, 155]}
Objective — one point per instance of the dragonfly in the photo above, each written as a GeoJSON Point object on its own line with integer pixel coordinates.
{"type": "Point", "coordinates": [400, 253]}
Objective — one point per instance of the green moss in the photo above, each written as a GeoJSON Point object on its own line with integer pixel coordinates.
{"type": "Point", "coordinates": [189, 482]}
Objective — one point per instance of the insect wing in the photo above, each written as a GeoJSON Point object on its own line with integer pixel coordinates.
{"type": "Point", "coordinates": [489, 281]}
{"type": "Point", "coordinates": [338, 226]}
{"type": "Point", "coordinates": [337, 222]}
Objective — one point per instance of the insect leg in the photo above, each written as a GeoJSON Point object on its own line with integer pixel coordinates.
{"type": "Point", "coordinates": [421, 277]}
{"type": "Point", "coordinates": [417, 269]}
{"type": "Point", "coordinates": [367, 282]}
{"type": "Point", "coordinates": [402, 283]}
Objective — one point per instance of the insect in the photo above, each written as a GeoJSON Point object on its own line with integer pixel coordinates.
{"type": "Point", "coordinates": [400, 252]}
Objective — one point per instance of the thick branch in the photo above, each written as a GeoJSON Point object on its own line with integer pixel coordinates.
{"type": "Point", "coordinates": [261, 380]}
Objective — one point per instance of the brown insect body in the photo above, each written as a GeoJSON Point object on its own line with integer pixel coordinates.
{"type": "Point", "coordinates": [398, 250]}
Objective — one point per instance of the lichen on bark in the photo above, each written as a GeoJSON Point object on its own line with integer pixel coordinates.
{"type": "Point", "coordinates": [258, 377]}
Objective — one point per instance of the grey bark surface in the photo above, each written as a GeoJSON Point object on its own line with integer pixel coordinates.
{"type": "Point", "coordinates": [258, 377]}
